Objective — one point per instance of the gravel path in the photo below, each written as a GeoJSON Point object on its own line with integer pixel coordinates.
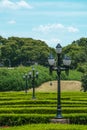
{"type": "Point", "coordinates": [65, 86]}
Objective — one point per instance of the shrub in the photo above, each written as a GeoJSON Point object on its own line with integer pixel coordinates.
{"type": "Point", "coordinates": [17, 108]}
{"type": "Point", "coordinates": [84, 82]}
{"type": "Point", "coordinates": [82, 67]}
{"type": "Point", "coordinates": [12, 79]}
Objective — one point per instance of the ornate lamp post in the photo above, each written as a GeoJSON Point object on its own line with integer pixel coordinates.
{"type": "Point", "coordinates": [26, 77]}
{"type": "Point", "coordinates": [33, 75]}
{"type": "Point", "coordinates": [58, 68]}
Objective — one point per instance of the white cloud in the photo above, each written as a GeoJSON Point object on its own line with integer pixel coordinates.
{"type": "Point", "coordinates": [73, 29]}
{"type": "Point", "coordinates": [55, 27]}
{"type": "Point", "coordinates": [12, 22]}
{"type": "Point", "coordinates": [54, 33]}
{"type": "Point", "coordinates": [23, 4]}
{"type": "Point", "coordinates": [14, 5]}
{"type": "Point", "coordinates": [48, 27]}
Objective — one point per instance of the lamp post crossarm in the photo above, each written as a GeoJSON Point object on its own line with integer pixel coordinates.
{"type": "Point", "coordinates": [64, 68]}
{"type": "Point", "coordinates": [54, 68]}
{"type": "Point", "coordinates": [59, 69]}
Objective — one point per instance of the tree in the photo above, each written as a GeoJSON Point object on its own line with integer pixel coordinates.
{"type": "Point", "coordinates": [84, 82]}
{"type": "Point", "coordinates": [77, 51]}
{"type": "Point", "coordinates": [24, 51]}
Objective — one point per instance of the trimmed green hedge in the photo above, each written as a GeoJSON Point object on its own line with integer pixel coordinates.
{"type": "Point", "coordinates": [11, 79]}
{"type": "Point", "coordinates": [20, 119]}
{"type": "Point", "coordinates": [22, 109]}
{"type": "Point", "coordinates": [43, 110]}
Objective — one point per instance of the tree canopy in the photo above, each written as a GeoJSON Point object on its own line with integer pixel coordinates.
{"type": "Point", "coordinates": [77, 50]}
{"type": "Point", "coordinates": [26, 51]}
{"type": "Point", "coordinates": [15, 51]}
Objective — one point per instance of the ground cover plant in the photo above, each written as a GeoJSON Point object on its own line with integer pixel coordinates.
{"type": "Point", "coordinates": [18, 108]}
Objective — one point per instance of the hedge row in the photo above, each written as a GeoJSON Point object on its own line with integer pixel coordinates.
{"type": "Point", "coordinates": [43, 110]}
{"type": "Point", "coordinates": [22, 109]}
{"type": "Point", "coordinates": [42, 102]}
{"type": "Point", "coordinates": [42, 105]}
{"type": "Point", "coordinates": [43, 95]}
{"type": "Point", "coordinates": [79, 96]}
{"type": "Point", "coordinates": [20, 119]}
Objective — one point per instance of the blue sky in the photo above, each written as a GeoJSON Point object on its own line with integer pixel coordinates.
{"type": "Point", "coordinates": [53, 21]}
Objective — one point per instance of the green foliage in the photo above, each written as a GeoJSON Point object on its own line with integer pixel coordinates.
{"type": "Point", "coordinates": [77, 51]}
{"type": "Point", "coordinates": [82, 67]}
{"type": "Point", "coordinates": [17, 108]}
{"type": "Point", "coordinates": [25, 51]}
{"type": "Point", "coordinates": [16, 51]}
{"type": "Point", "coordinates": [11, 79]}
{"type": "Point", "coordinates": [73, 75]}
{"type": "Point", "coordinates": [84, 82]}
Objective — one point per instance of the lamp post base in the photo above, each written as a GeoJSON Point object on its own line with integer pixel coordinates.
{"type": "Point", "coordinates": [61, 120]}
{"type": "Point", "coordinates": [33, 98]}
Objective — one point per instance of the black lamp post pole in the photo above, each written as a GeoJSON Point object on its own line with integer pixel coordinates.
{"type": "Point", "coordinates": [59, 115]}
{"type": "Point", "coordinates": [26, 86]}
{"type": "Point", "coordinates": [9, 63]}
{"type": "Point", "coordinates": [25, 77]}
{"type": "Point", "coordinates": [33, 86]}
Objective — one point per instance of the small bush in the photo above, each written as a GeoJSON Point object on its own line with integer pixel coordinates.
{"type": "Point", "coordinates": [84, 82]}
{"type": "Point", "coordinates": [82, 67]}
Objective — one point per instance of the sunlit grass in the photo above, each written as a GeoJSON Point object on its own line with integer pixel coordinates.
{"type": "Point", "coordinates": [47, 127]}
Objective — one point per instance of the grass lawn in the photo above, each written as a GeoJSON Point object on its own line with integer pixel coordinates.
{"type": "Point", "coordinates": [47, 127]}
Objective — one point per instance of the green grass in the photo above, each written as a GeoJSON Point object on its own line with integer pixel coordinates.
{"type": "Point", "coordinates": [47, 127]}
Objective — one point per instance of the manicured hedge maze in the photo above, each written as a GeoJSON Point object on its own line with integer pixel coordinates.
{"type": "Point", "coordinates": [18, 108]}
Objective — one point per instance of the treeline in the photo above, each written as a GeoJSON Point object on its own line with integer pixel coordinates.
{"type": "Point", "coordinates": [16, 51]}
{"type": "Point", "coordinates": [77, 50]}
{"type": "Point", "coordinates": [25, 51]}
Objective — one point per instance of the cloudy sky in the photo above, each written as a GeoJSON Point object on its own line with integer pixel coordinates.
{"type": "Point", "coordinates": [52, 21]}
